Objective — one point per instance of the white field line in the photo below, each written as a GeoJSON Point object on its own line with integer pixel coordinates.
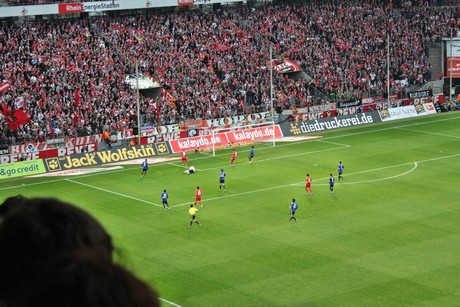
{"type": "Point", "coordinates": [22, 185]}
{"type": "Point", "coordinates": [431, 133]}
{"type": "Point", "coordinates": [177, 165]}
{"type": "Point", "coordinates": [333, 143]}
{"type": "Point", "coordinates": [169, 302]}
{"type": "Point", "coordinates": [113, 192]}
{"type": "Point", "coordinates": [206, 153]}
{"type": "Point", "coordinates": [181, 166]}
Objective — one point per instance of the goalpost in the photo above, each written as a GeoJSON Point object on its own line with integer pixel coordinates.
{"type": "Point", "coordinates": [256, 133]}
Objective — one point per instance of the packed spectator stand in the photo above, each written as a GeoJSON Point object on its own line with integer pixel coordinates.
{"type": "Point", "coordinates": [68, 75]}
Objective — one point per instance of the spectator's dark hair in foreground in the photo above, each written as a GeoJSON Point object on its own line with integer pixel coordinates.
{"type": "Point", "coordinates": [34, 232]}
{"type": "Point", "coordinates": [86, 279]}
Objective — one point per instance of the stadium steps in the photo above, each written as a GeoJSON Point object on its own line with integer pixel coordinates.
{"type": "Point", "coordinates": [434, 58]}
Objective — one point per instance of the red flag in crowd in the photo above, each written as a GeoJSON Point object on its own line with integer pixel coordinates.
{"type": "Point", "coordinates": [4, 87]}
{"type": "Point", "coordinates": [20, 118]}
{"type": "Point", "coordinates": [14, 119]}
{"type": "Point", "coordinates": [77, 98]}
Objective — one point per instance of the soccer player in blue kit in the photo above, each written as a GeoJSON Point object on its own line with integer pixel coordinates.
{"type": "Point", "coordinates": [331, 183]}
{"type": "Point", "coordinates": [294, 206]}
{"type": "Point", "coordinates": [145, 167]}
{"type": "Point", "coordinates": [251, 154]}
{"type": "Point", "coordinates": [222, 180]}
{"type": "Point", "coordinates": [164, 199]}
{"type": "Point", "coordinates": [340, 170]}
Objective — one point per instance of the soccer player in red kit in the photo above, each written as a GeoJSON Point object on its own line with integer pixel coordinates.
{"type": "Point", "coordinates": [308, 185]}
{"type": "Point", "coordinates": [184, 158]}
{"type": "Point", "coordinates": [232, 160]}
{"type": "Point", "coordinates": [198, 194]}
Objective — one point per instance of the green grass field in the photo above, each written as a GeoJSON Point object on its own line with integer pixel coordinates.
{"type": "Point", "coordinates": [388, 236]}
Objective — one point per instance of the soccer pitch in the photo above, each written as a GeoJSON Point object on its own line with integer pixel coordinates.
{"type": "Point", "coordinates": [388, 236]}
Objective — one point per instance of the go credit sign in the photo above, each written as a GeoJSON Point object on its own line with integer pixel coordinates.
{"type": "Point", "coordinates": [20, 169]}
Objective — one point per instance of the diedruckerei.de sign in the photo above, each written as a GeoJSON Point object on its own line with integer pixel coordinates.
{"type": "Point", "coordinates": [330, 123]}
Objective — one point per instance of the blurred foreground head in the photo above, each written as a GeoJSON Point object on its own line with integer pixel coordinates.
{"type": "Point", "coordinates": [86, 279]}
{"type": "Point", "coordinates": [35, 232]}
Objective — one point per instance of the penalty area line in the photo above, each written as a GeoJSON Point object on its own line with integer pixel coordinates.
{"type": "Point", "coordinates": [177, 165]}
{"type": "Point", "coordinates": [366, 181]}
{"type": "Point", "coordinates": [233, 195]}
{"type": "Point", "coordinates": [181, 166]}
{"type": "Point", "coordinates": [297, 184]}
{"type": "Point", "coordinates": [372, 170]}
{"type": "Point", "coordinates": [281, 157]}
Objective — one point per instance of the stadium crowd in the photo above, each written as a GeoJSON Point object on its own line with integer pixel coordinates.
{"type": "Point", "coordinates": [68, 75]}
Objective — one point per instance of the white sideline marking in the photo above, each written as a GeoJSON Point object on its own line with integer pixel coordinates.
{"type": "Point", "coordinates": [169, 302]}
{"type": "Point", "coordinates": [113, 192]}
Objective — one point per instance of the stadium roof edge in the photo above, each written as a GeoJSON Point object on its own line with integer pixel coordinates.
{"type": "Point", "coordinates": [99, 6]}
